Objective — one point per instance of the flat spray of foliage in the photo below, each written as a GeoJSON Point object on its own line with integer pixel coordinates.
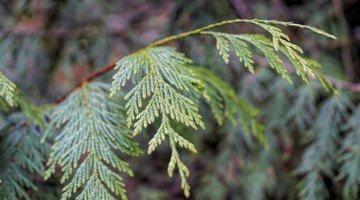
{"type": "Point", "coordinates": [89, 137]}
{"type": "Point", "coordinates": [92, 128]}
{"type": "Point", "coordinates": [22, 156]}
{"type": "Point", "coordinates": [7, 90]}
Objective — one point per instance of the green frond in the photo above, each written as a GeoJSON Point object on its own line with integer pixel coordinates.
{"type": "Point", "coordinates": [10, 97]}
{"type": "Point", "coordinates": [161, 92]}
{"type": "Point", "coordinates": [211, 187]}
{"type": "Point", "coordinates": [242, 51]}
{"type": "Point", "coordinates": [164, 84]}
{"type": "Point", "coordinates": [86, 146]}
{"type": "Point", "coordinates": [21, 157]}
{"type": "Point", "coordinates": [258, 181]}
{"type": "Point", "coordinates": [350, 157]}
{"type": "Point", "coordinates": [7, 90]}
{"type": "Point", "coordinates": [313, 29]}
{"type": "Point", "coordinates": [31, 111]}
{"type": "Point", "coordinates": [269, 51]}
{"type": "Point", "coordinates": [304, 67]}
{"type": "Point", "coordinates": [175, 161]}
{"type": "Point", "coordinates": [227, 105]}
{"type": "Point", "coordinates": [222, 44]}
{"type": "Point", "coordinates": [320, 157]}
{"type": "Point", "coordinates": [303, 111]}
{"type": "Point", "coordinates": [165, 130]}
{"type": "Point", "coordinates": [259, 175]}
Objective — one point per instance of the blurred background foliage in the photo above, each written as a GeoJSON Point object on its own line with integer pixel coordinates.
{"type": "Point", "coordinates": [47, 46]}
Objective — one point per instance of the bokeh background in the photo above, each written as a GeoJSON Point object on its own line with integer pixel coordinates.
{"type": "Point", "coordinates": [48, 46]}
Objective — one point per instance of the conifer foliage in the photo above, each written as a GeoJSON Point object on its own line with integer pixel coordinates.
{"type": "Point", "coordinates": [21, 157]}
{"type": "Point", "coordinates": [95, 125]}
{"type": "Point", "coordinates": [7, 90]}
{"type": "Point", "coordinates": [305, 68]}
{"type": "Point", "coordinates": [350, 157]}
{"type": "Point", "coordinates": [226, 105]}
{"type": "Point", "coordinates": [163, 80]}
{"type": "Point", "coordinates": [85, 147]}
{"type": "Point", "coordinates": [320, 157]}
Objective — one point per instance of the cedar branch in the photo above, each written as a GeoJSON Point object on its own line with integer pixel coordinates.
{"type": "Point", "coordinates": [337, 83]}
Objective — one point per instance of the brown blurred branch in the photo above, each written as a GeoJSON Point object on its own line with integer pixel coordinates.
{"type": "Point", "coordinates": [355, 87]}
{"type": "Point", "coordinates": [96, 74]}
{"type": "Point", "coordinates": [282, 9]}
{"type": "Point", "coordinates": [340, 43]}
{"type": "Point", "coordinates": [241, 8]}
{"type": "Point", "coordinates": [345, 52]}
{"type": "Point", "coordinates": [113, 25]}
{"type": "Point", "coordinates": [54, 33]}
{"type": "Point", "coordinates": [337, 83]}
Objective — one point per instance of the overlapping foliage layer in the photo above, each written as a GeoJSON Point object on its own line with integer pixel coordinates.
{"type": "Point", "coordinates": [21, 157]}
{"type": "Point", "coordinates": [7, 90]}
{"type": "Point", "coordinates": [159, 89]}
{"type": "Point", "coordinates": [164, 84]}
{"type": "Point", "coordinates": [86, 146]}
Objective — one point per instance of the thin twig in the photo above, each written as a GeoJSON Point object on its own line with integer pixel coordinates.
{"type": "Point", "coordinates": [355, 87]}
{"type": "Point", "coordinates": [198, 31]}
{"type": "Point", "coordinates": [156, 43]}
{"type": "Point", "coordinates": [88, 79]}
{"type": "Point", "coordinates": [345, 51]}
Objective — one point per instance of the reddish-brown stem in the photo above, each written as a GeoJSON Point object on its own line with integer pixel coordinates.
{"type": "Point", "coordinates": [337, 83]}
{"type": "Point", "coordinates": [96, 74]}
{"type": "Point", "coordinates": [156, 43]}
{"type": "Point", "coordinates": [355, 87]}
